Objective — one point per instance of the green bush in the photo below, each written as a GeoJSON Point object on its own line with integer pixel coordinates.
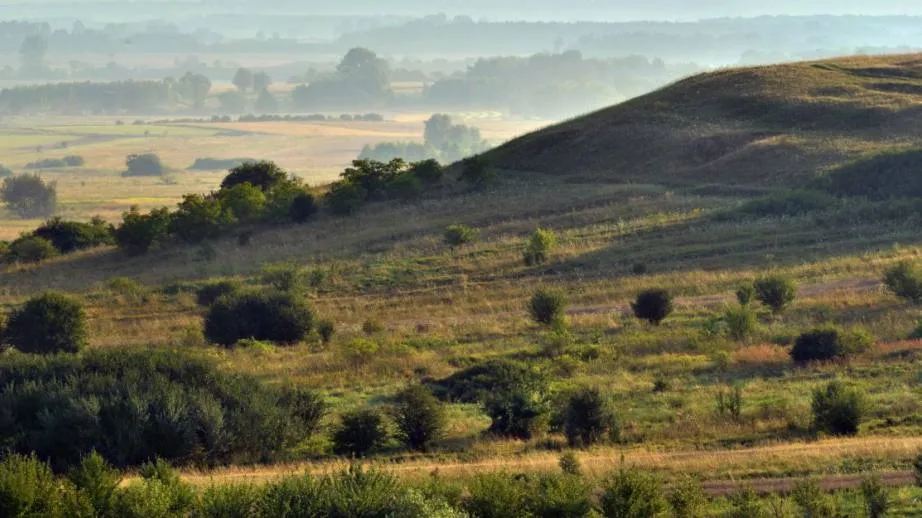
{"type": "Point", "coordinates": [428, 171]}
{"type": "Point", "coordinates": [285, 277]}
{"type": "Point", "coordinates": [539, 247]}
{"type": "Point", "coordinates": [199, 218]}
{"type": "Point", "coordinates": [653, 306]}
{"type": "Point", "coordinates": [741, 322]}
{"type": "Point", "coordinates": [479, 382]}
{"type": "Point", "coordinates": [458, 235]}
{"type": "Point", "coordinates": [569, 464]}
{"type": "Point", "coordinates": [588, 419]}
{"type": "Point", "coordinates": [30, 249]}
{"type": "Point", "coordinates": [29, 196]}
{"type": "Point", "coordinates": [139, 232]}
{"type": "Point", "coordinates": [837, 409]}
{"type": "Point", "coordinates": [876, 497]}
{"type": "Point", "coordinates": [547, 307]}
{"type": "Point", "coordinates": [830, 343]}
{"type": "Point", "coordinates": [687, 499]}
{"type": "Point", "coordinates": [262, 174]}
{"type": "Point", "coordinates": [28, 488]}
{"type": "Point", "coordinates": [160, 492]}
{"type": "Point", "coordinates": [208, 293]}
{"type": "Point", "coordinates": [776, 292]}
{"type": "Point", "coordinates": [917, 469]}
{"type": "Point", "coordinates": [276, 317]}
{"type": "Point", "coordinates": [97, 481]}
{"type": "Point", "coordinates": [517, 413]}
{"type": "Point", "coordinates": [905, 281]}
{"type": "Point", "coordinates": [345, 198]}
{"type": "Point", "coordinates": [812, 500]}
{"type": "Point", "coordinates": [231, 501]}
{"type": "Point", "coordinates": [244, 202]}
{"type": "Point", "coordinates": [476, 171]}
{"type": "Point", "coordinates": [295, 497]}
{"type": "Point", "coordinates": [47, 324]}
{"type": "Point", "coordinates": [303, 207]}
{"type": "Point", "coordinates": [360, 432]}
{"type": "Point", "coordinates": [497, 495]}
{"type": "Point", "coordinates": [746, 294]}
{"type": "Point", "coordinates": [631, 493]}
{"type": "Point", "coordinates": [563, 496]}
{"type": "Point", "coordinates": [419, 417]}
{"type": "Point", "coordinates": [70, 236]}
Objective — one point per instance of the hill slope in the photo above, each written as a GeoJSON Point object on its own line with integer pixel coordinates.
{"type": "Point", "coordinates": [767, 126]}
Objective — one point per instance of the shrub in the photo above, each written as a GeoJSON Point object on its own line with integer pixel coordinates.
{"type": "Point", "coordinates": [262, 174]}
{"type": "Point", "coordinates": [28, 488]}
{"type": "Point", "coordinates": [326, 328]}
{"type": "Point", "coordinates": [210, 292]}
{"type": "Point", "coordinates": [547, 307]}
{"type": "Point", "coordinates": [269, 316]}
{"type": "Point", "coordinates": [428, 171]}
{"type": "Point", "coordinates": [479, 382]}
{"type": "Point", "coordinates": [653, 306]}
{"type": "Point", "coordinates": [631, 493]}
{"type": "Point", "coordinates": [372, 327]}
{"type": "Point", "coordinates": [231, 501]}
{"type": "Point", "coordinates": [97, 481]}
{"type": "Point", "coordinates": [729, 403]}
{"type": "Point", "coordinates": [588, 418]}
{"type": "Point", "coordinates": [345, 198]}
{"type": "Point", "coordinates": [917, 469]}
{"type": "Point", "coordinates": [147, 164]}
{"type": "Point", "coordinates": [31, 249]}
{"type": "Point", "coordinates": [837, 409]}
{"type": "Point", "coordinates": [404, 186]}
{"type": "Point", "coordinates": [569, 464]}
{"type": "Point", "coordinates": [497, 495]}
{"type": "Point", "coordinates": [687, 499]}
{"type": "Point", "coordinates": [564, 496]}
{"type": "Point", "coordinates": [741, 322]}
{"type": "Point", "coordinates": [303, 207]}
{"type": "Point", "coordinates": [776, 292]}
{"type": "Point", "coordinates": [47, 324]}
{"type": "Point", "coordinates": [876, 497]}
{"type": "Point", "coordinates": [29, 196]}
{"type": "Point", "coordinates": [812, 500]}
{"type": "Point", "coordinates": [286, 277]}
{"type": "Point", "coordinates": [458, 235]}
{"type": "Point", "coordinates": [245, 202]}
{"type": "Point", "coordinates": [139, 232]}
{"type": "Point", "coordinates": [160, 492]}
{"type": "Point", "coordinates": [420, 418]}
{"type": "Point", "coordinates": [518, 413]}
{"type": "Point", "coordinates": [905, 281]}
{"type": "Point", "coordinates": [539, 247]}
{"type": "Point", "coordinates": [746, 293]}
{"type": "Point", "coordinates": [69, 236]}
{"type": "Point", "coordinates": [476, 171]}
{"type": "Point", "coordinates": [829, 343]}
{"type": "Point", "coordinates": [51, 163]}
{"type": "Point", "coordinates": [199, 218]}
{"type": "Point", "coordinates": [359, 433]}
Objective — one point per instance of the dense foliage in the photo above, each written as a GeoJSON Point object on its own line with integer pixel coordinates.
{"type": "Point", "coordinates": [47, 324]}
{"type": "Point", "coordinates": [29, 196]}
{"type": "Point", "coordinates": [272, 316]}
{"type": "Point", "coordinates": [837, 409]}
{"type": "Point", "coordinates": [653, 306]}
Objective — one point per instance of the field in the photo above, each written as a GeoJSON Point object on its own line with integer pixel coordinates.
{"type": "Point", "coordinates": [409, 308]}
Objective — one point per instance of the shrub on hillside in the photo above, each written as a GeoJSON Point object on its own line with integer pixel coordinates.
{"type": "Point", "coordinates": [147, 164]}
{"type": "Point", "coordinates": [360, 432]}
{"type": "Point", "coordinates": [478, 382]}
{"type": "Point", "coordinates": [210, 292]}
{"type": "Point", "coordinates": [97, 482]}
{"type": "Point", "coordinates": [517, 413]}
{"type": "Point", "coordinates": [139, 232]}
{"type": "Point", "coordinates": [428, 172]}
{"type": "Point", "coordinates": [562, 496]}
{"type": "Point", "coordinates": [837, 409]}
{"type": "Point", "coordinates": [687, 499]}
{"type": "Point", "coordinates": [547, 307]}
{"type": "Point", "coordinates": [653, 306]}
{"type": "Point", "coordinates": [47, 324]}
{"type": "Point", "coordinates": [69, 236]}
{"type": "Point", "coordinates": [741, 322]}
{"type": "Point", "coordinates": [419, 417]}
{"type": "Point", "coordinates": [476, 171]}
{"type": "Point", "coordinates": [746, 294]}
{"type": "Point", "coordinates": [345, 198]}
{"type": "Point", "coordinates": [245, 202]}
{"type": "Point", "coordinates": [30, 249]}
{"type": "Point", "coordinates": [199, 218]}
{"type": "Point", "coordinates": [458, 235]}
{"type": "Point", "coordinates": [829, 343]}
{"type": "Point", "coordinates": [539, 247]}
{"type": "Point", "coordinates": [29, 196]}
{"type": "Point", "coordinates": [53, 163]}
{"type": "Point", "coordinates": [632, 493]}
{"type": "Point", "coordinates": [262, 174]}
{"type": "Point", "coordinates": [812, 500]}
{"type": "Point", "coordinates": [876, 497]}
{"type": "Point", "coordinates": [497, 495]}
{"type": "Point", "coordinates": [28, 488]}
{"type": "Point", "coordinates": [303, 207]}
{"type": "Point", "coordinates": [271, 316]}
{"type": "Point", "coordinates": [326, 329]}
{"type": "Point", "coordinates": [905, 281]}
{"type": "Point", "coordinates": [287, 277]}
{"type": "Point", "coordinates": [588, 419]}
{"type": "Point", "coordinates": [776, 292]}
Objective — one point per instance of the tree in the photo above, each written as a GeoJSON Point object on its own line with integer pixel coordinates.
{"type": "Point", "coordinates": [653, 306]}
{"type": "Point", "coordinates": [420, 418]}
{"type": "Point", "coordinates": [588, 418]}
{"type": "Point", "coordinates": [47, 324]}
{"type": "Point", "coordinates": [146, 164]}
{"type": "Point", "coordinates": [457, 235]}
{"type": "Point", "coordinates": [245, 202]}
{"type": "Point", "coordinates": [199, 218]}
{"type": "Point", "coordinates": [837, 409]}
{"type": "Point", "coordinates": [266, 102]}
{"type": "Point", "coordinates": [776, 292]}
{"type": "Point", "coordinates": [233, 102]}
{"type": "Point", "coordinates": [194, 89]}
{"type": "Point", "coordinates": [243, 79]}
{"type": "Point", "coordinates": [360, 432]}
{"type": "Point", "coordinates": [32, 52]}
{"type": "Point", "coordinates": [69, 236]}
{"type": "Point", "coordinates": [30, 249]}
{"type": "Point", "coordinates": [905, 281]}
{"type": "Point", "coordinates": [303, 207]}
{"type": "Point", "coordinates": [139, 232]}
{"type": "Point", "coordinates": [364, 72]}
{"type": "Point", "coordinates": [29, 196]}
{"type": "Point", "coordinates": [261, 82]}
{"type": "Point", "coordinates": [517, 413]}
{"type": "Point", "coordinates": [829, 343]}
{"type": "Point", "coordinates": [263, 174]}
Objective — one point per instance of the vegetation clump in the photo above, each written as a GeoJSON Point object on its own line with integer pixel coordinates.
{"type": "Point", "coordinates": [30, 249]}
{"type": "Point", "coordinates": [459, 235]}
{"type": "Point", "coordinates": [837, 409]}
{"type": "Point", "coordinates": [829, 343]}
{"type": "Point", "coordinates": [420, 418]}
{"type": "Point", "coordinates": [905, 281]}
{"type": "Point", "coordinates": [547, 307]}
{"type": "Point", "coordinates": [776, 292]}
{"type": "Point", "coordinates": [146, 164]}
{"type": "Point", "coordinates": [47, 324]}
{"type": "Point", "coordinates": [631, 493]}
{"type": "Point", "coordinates": [360, 433]}
{"type": "Point", "coordinates": [588, 419]}
{"type": "Point", "coordinates": [539, 247]}
{"type": "Point", "coordinates": [29, 196]}
{"type": "Point", "coordinates": [272, 316]}
{"type": "Point", "coordinates": [70, 236]}
{"type": "Point", "coordinates": [653, 306]}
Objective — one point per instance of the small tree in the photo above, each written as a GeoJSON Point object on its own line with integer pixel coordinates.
{"type": "Point", "coordinates": [429, 171]}
{"type": "Point", "coordinates": [139, 232]}
{"type": "Point", "coordinates": [261, 81]}
{"type": "Point", "coordinates": [98, 481]}
{"type": "Point", "coordinates": [517, 413]}
{"type": "Point", "coordinates": [905, 281]}
{"type": "Point", "coordinates": [687, 499]}
{"type": "Point", "coordinates": [547, 307]}
{"type": "Point", "coordinates": [837, 409]}
{"type": "Point", "coordinates": [29, 196]}
{"type": "Point", "coordinates": [420, 418]}
{"type": "Point", "coordinates": [274, 316]}
{"type": "Point", "coordinates": [458, 235]}
{"type": "Point", "coordinates": [588, 418]}
{"type": "Point", "coordinates": [539, 247]}
{"type": "Point", "coordinates": [69, 236]}
{"type": "Point", "coordinates": [243, 79]}
{"type": "Point", "coordinates": [31, 249]}
{"type": "Point", "coordinates": [653, 306]}
{"type": "Point", "coordinates": [326, 329]}
{"type": "Point", "coordinates": [147, 164]}
{"type": "Point", "coordinates": [776, 292]}
{"type": "Point", "coordinates": [360, 433]}
{"type": "Point", "coordinates": [813, 501]}
{"type": "Point", "coordinates": [245, 202]}
{"type": "Point", "coordinates": [262, 174]}
{"type": "Point", "coordinates": [199, 218]}
{"type": "Point", "coordinates": [47, 324]}
{"type": "Point", "coordinates": [631, 493]}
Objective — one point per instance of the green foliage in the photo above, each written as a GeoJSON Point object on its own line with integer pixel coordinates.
{"type": "Point", "coordinates": [547, 307]}
{"type": "Point", "coordinates": [776, 292]}
{"type": "Point", "coordinates": [517, 413]}
{"type": "Point", "coordinates": [746, 294]}
{"type": "Point", "coordinates": [497, 495]}
{"type": "Point", "coordinates": [30, 249]}
{"type": "Point", "coordinates": [160, 492]}
{"type": "Point", "coordinates": [563, 496]}
{"type": "Point", "coordinates": [360, 432]}
{"type": "Point", "coordinates": [905, 281]}
{"type": "Point", "coordinates": [588, 418]}
{"type": "Point", "coordinates": [813, 501]}
{"type": "Point", "coordinates": [632, 493]}
{"type": "Point", "coordinates": [374, 177]}
{"type": "Point", "coordinates": [199, 218]}
{"type": "Point", "coordinates": [458, 235]}
{"type": "Point", "coordinates": [569, 464]}
{"type": "Point", "coordinates": [139, 232]}
{"type": "Point", "coordinates": [917, 469]}
{"type": "Point", "coordinates": [53, 163]}
{"type": "Point", "coordinates": [47, 324]}
{"type": "Point", "coordinates": [245, 202]}
{"type": "Point", "coordinates": [147, 164]}
{"type": "Point", "coordinates": [479, 382]}
{"type": "Point", "coordinates": [746, 504]}
{"type": "Point", "coordinates": [29, 196]}
{"type": "Point", "coordinates": [208, 293]}
{"type": "Point", "coordinates": [131, 406]}
{"type": "Point", "coordinates": [687, 498]}
{"type": "Point", "coordinates": [429, 172]}
{"type": "Point", "coordinates": [28, 488]}
{"type": "Point", "coordinates": [97, 481]}
{"type": "Point", "coordinates": [285, 277]}
{"type": "Point", "coordinates": [70, 236]}
{"type": "Point", "coordinates": [741, 322]}
{"type": "Point", "coordinates": [303, 207]}
{"type": "Point", "coordinates": [653, 306]}
{"type": "Point", "coordinates": [830, 343]}
{"type": "Point", "coordinates": [837, 409]}
{"type": "Point", "coordinates": [345, 198]}
{"type": "Point", "coordinates": [230, 501]}
{"type": "Point", "coordinates": [419, 417]}
{"type": "Point", "coordinates": [876, 497]}
{"type": "Point", "coordinates": [278, 317]}
{"type": "Point", "coordinates": [262, 174]}
{"type": "Point", "coordinates": [372, 327]}
{"type": "Point", "coordinates": [729, 403]}
{"type": "Point", "coordinates": [476, 171]}
{"type": "Point", "coordinates": [326, 329]}
{"type": "Point", "coordinates": [539, 247]}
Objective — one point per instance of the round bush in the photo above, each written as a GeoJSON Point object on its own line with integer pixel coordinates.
{"type": "Point", "coordinates": [420, 418]}
{"type": "Point", "coordinates": [47, 324]}
{"type": "Point", "coordinates": [588, 419]}
{"type": "Point", "coordinates": [746, 293]}
{"type": "Point", "coordinates": [837, 409]}
{"type": "Point", "coordinates": [31, 249]}
{"type": "Point", "coordinates": [776, 292]}
{"type": "Point", "coordinates": [262, 174]}
{"type": "Point", "coordinates": [539, 247]}
{"type": "Point", "coordinates": [359, 433]}
{"type": "Point", "coordinates": [268, 316]}
{"type": "Point", "coordinates": [905, 281]}
{"type": "Point", "coordinates": [546, 307]}
{"type": "Point", "coordinates": [326, 329]}
{"type": "Point", "coordinates": [829, 343]}
{"type": "Point", "coordinates": [653, 306]}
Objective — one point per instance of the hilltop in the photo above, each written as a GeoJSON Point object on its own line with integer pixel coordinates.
{"type": "Point", "coordinates": [761, 127]}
